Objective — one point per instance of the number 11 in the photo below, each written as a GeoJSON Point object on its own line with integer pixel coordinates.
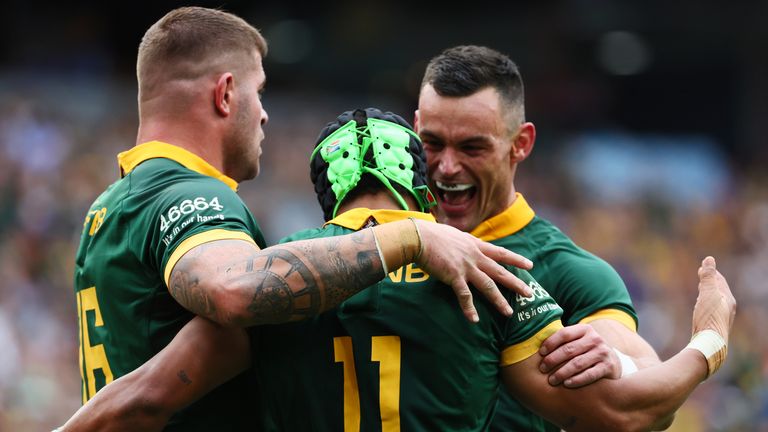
{"type": "Point", "coordinates": [386, 351]}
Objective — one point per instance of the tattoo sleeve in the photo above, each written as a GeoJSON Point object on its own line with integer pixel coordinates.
{"type": "Point", "coordinates": [232, 282]}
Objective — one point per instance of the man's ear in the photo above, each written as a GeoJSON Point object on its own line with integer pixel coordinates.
{"type": "Point", "coordinates": [416, 121]}
{"type": "Point", "coordinates": [522, 143]}
{"type": "Point", "coordinates": [223, 93]}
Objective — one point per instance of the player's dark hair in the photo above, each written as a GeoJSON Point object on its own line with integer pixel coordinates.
{"type": "Point", "coordinates": [368, 183]}
{"type": "Point", "coordinates": [464, 70]}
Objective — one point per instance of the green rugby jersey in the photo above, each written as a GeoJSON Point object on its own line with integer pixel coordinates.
{"type": "Point", "coordinates": [398, 355]}
{"type": "Point", "coordinates": [167, 202]}
{"type": "Point", "coordinates": [585, 286]}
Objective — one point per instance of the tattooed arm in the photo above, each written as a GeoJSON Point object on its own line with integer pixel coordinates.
{"type": "Point", "coordinates": [232, 282]}
{"type": "Point", "coordinates": [201, 356]}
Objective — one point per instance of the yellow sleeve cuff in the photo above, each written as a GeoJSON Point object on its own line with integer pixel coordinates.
{"type": "Point", "coordinates": [521, 351]}
{"type": "Point", "coordinates": [612, 314]}
{"type": "Point", "coordinates": [198, 239]}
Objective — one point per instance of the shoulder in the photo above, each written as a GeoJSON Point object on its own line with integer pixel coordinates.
{"type": "Point", "coordinates": [188, 192]}
{"type": "Point", "coordinates": [560, 252]}
{"type": "Point", "coordinates": [166, 177]}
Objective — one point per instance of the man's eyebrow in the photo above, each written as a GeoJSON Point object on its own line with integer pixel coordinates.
{"type": "Point", "coordinates": [475, 139]}
{"type": "Point", "coordinates": [429, 134]}
{"type": "Point", "coordinates": [478, 139]}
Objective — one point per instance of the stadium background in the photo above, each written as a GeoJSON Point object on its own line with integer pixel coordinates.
{"type": "Point", "coordinates": [651, 153]}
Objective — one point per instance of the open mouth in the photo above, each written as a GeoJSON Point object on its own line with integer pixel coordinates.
{"type": "Point", "coordinates": [455, 196]}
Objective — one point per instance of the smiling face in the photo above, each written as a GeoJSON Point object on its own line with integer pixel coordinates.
{"type": "Point", "coordinates": [470, 155]}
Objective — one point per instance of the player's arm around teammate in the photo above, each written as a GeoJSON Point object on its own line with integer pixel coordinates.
{"type": "Point", "coordinates": [219, 277]}
{"type": "Point", "coordinates": [199, 358]}
{"type": "Point", "coordinates": [581, 354]}
{"type": "Point", "coordinates": [234, 283]}
{"type": "Point", "coordinates": [647, 399]}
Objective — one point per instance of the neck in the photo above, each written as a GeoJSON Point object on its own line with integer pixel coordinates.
{"type": "Point", "coordinates": [187, 135]}
{"type": "Point", "coordinates": [381, 200]}
{"type": "Point", "coordinates": [512, 196]}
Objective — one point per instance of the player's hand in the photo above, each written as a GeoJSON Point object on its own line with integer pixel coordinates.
{"type": "Point", "coordinates": [458, 259]}
{"type": "Point", "coordinates": [715, 307]}
{"type": "Point", "coordinates": [576, 356]}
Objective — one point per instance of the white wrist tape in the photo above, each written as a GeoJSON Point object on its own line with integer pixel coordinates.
{"type": "Point", "coordinates": [713, 346]}
{"type": "Point", "coordinates": [418, 234]}
{"type": "Point", "coordinates": [628, 366]}
{"type": "Point", "coordinates": [381, 254]}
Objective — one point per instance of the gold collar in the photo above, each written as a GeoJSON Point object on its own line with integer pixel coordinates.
{"type": "Point", "coordinates": [506, 223]}
{"type": "Point", "coordinates": [357, 218]}
{"type": "Point", "coordinates": [130, 159]}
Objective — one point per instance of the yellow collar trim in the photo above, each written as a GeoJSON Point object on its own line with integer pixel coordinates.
{"type": "Point", "coordinates": [128, 160]}
{"type": "Point", "coordinates": [356, 218]}
{"type": "Point", "coordinates": [506, 223]}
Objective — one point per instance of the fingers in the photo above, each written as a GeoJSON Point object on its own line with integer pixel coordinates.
{"type": "Point", "coordinates": [566, 353]}
{"type": "Point", "coordinates": [560, 337]}
{"type": "Point", "coordinates": [487, 287]}
{"type": "Point", "coordinates": [504, 256]}
{"type": "Point", "coordinates": [710, 277]}
{"type": "Point", "coordinates": [587, 368]}
{"type": "Point", "coordinates": [503, 276]}
{"type": "Point", "coordinates": [589, 376]}
{"type": "Point", "coordinates": [578, 357]}
{"type": "Point", "coordinates": [708, 270]}
{"type": "Point", "coordinates": [464, 295]}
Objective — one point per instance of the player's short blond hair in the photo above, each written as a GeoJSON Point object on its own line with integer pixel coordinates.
{"type": "Point", "coordinates": [186, 40]}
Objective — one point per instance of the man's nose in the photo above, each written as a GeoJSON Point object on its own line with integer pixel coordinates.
{"type": "Point", "coordinates": [449, 164]}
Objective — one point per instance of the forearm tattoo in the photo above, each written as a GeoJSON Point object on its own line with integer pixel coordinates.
{"type": "Point", "coordinates": [185, 288]}
{"type": "Point", "coordinates": [288, 282]}
{"type": "Point", "coordinates": [182, 374]}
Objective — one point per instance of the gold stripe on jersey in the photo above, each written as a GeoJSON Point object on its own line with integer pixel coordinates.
{"type": "Point", "coordinates": [128, 160]}
{"type": "Point", "coordinates": [356, 219]}
{"type": "Point", "coordinates": [506, 223]}
{"type": "Point", "coordinates": [521, 351]}
{"type": "Point", "coordinates": [198, 239]}
{"type": "Point", "coordinates": [612, 314]}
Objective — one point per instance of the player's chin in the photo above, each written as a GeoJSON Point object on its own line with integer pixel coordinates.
{"type": "Point", "coordinates": [458, 221]}
{"type": "Point", "coordinates": [252, 172]}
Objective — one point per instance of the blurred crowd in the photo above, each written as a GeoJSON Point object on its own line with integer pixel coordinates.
{"type": "Point", "coordinates": [653, 228]}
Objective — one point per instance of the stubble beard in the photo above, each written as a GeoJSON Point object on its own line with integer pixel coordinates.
{"type": "Point", "coordinates": [241, 155]}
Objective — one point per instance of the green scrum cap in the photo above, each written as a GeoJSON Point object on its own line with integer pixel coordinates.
{"type": "Point", "coordinates": [369, 142]}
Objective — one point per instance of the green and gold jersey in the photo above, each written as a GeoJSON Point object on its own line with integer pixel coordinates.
{"type": "Point", "coordinates": [585, 286]}
{"type": "Point", "coordinates": [398, 355]}
{"type": "Point", "coordinates": [167, 202]}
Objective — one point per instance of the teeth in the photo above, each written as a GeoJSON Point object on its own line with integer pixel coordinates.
{"type": "Point", "coordinates": [454, 187]}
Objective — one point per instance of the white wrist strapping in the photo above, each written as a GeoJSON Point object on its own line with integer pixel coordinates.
{"type": "Point", "coordinates": [381, 254]}
{"type": "Point", "coordinates": [418, 234]}
{"type": "Point", "coordinates": [628, 366]}
{"type": "Point", "coordinates": [713, 346]}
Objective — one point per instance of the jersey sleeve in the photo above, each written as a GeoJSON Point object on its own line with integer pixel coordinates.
{"type": "Point", "coordinates": [534, 319]}
{"type": "Point", "coordinates": [195, 212]}
{"type": "Point", "coordinates": [591, 288]}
